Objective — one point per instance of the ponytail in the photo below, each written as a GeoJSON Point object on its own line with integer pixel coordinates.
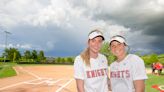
{"type": "Point", "coordinates": [86, 56]}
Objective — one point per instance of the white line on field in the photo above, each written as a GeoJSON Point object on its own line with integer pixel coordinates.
{"type": "Point", "coordinates": [47, 81]}
{"type": "Point", "coordinates": [21, 82]}
{"type": "Point", "coordinates": [34, 75]}
{"type": "Point", "coordinates": [11, 85]}
{"type": "Point", "coordinates": [16, 71]}
{"type": "Point", "coordinates": [28, 82]}
{"type": "Point", "coordinates": [58, 90]}
{"type": "Point", "coordinates": [50, 82]}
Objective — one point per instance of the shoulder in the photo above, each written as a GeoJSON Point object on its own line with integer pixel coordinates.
{"type": "Point", "coordinates": [78, 60]}
{"type": "Point", "coordinates": [133, 56]}
{"type": "Point", "coordinates": [78, 57]}
{"type": "Point", "coordinates": [135, 59]}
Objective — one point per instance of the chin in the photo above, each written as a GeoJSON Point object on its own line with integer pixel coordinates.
{"type": "Point", "coordinates": [96, 51]}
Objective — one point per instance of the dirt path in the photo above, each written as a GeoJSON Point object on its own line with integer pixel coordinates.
{"type": "Point", "coordinates": [40, 79]}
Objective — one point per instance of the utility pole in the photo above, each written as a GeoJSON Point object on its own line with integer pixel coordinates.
{"type": "Point", "coordinates": [6, 35]}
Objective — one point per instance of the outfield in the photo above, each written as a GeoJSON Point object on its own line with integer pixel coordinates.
{"type": "Point", "coordinates": [52, 78]}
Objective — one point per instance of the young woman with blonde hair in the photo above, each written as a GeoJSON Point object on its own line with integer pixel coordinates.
{"type": "Point", "coordinates": [91, 67]}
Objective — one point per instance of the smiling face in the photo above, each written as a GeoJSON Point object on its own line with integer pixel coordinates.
{"type": "Point", "coordinates": [117, 48]}
{"type": "Point", "coordinates": [95, 44]}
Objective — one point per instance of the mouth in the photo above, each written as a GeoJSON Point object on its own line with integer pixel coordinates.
{"type": "Point", "coordinates": [96, 48]}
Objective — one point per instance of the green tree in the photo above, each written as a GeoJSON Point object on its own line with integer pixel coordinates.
{"type": "Point", "coordinates": [41, 56]}
{"type": "Point", "coordinates": [149, 59]}
{"type": "Point", "coordinates": [12, 54]}
{"type": "Point", "coordinates": [27, 55]}
{"type": "Point", "coordinates": [58, 60]}
{"type": "Point", "coordinates": [14, 57]}
{"type": "Point", "coordinates": [34, 55]}
{"type": "Point", "coordinates": [153, 58]}
{"type": "Point", "coordinates": [62, 60]}
{"type": "Point", "coordinates": [106, 51]}
{"type": "Point", "coordinates": [70, 60]}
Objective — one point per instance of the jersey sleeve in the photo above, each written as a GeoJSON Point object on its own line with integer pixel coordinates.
{"type": "Point", "coordinates": [78, 68]}
{"type": "Point", "coordinates": [139, 71]}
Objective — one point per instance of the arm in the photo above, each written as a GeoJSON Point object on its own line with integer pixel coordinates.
{"type": "Point", "coordinates": [139, 85]}
{"type": "Point", "coordinates": [109, 85]}
{"type": "Point", "coordinates": [139, 74]}
{"type": "Point", "coordinates": [79, 74]}
{"type": "Point", "coordinates": [80, 85]}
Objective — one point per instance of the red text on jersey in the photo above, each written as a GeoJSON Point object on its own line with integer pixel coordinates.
{"type": "Point", "coordinates": [96, 73]}
{"type": "Point", "coordinates": [120, 74]}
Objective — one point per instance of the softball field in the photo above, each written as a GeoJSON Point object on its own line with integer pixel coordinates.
{"type": "Point", "coordinates": [40, 78]}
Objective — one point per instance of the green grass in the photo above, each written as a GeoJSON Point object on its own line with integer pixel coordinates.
{"type": "Point", "coordinates": [154, 80]}
{"type": "Point", "coordinates": [6, 70]}
{"type": "Point", "coordinates": [161, 60]}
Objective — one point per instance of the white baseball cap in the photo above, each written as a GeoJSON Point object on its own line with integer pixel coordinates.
{"type": "Point", "coordinates": [95, 33]}
{"type": "Point", "coordinates": [118, 38]}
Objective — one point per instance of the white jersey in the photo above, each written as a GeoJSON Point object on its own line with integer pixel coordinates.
{"type": "Point", "coordinates": [95, 76]}
{"type": "Point", "coordinates": [122, 74]}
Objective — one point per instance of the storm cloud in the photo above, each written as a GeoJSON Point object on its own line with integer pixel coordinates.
{"type": "Point", "coordinates": [60, 27]}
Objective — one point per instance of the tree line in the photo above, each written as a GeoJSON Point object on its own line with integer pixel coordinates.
{"type": "Point", "coordinates": [32, 57]}
{"type": "Point", "coordinates": [14, 55]}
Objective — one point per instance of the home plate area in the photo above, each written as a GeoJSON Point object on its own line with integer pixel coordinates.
{"type": "Point", "coordinates": [40, 78]}
{"type": "Point", "coordinates": [42, 85]}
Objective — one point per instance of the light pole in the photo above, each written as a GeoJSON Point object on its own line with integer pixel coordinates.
{"type": "Point", "coordinates": [6, 34]}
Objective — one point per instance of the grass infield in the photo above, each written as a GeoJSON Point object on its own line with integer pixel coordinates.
{"type": "Point", "coordinates": [154, 80]}
{"type": "Point", "coordinates": [6, 70]}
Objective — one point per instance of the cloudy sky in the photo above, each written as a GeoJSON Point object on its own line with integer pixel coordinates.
{"type": "Point", "coordinates": [60, 27]}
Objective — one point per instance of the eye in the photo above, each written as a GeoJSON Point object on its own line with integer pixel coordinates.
{"type": "Point", "coordinates": [115, 45]}
{"type": "Point", "coordinates": [93, 40]}
{"type": "Point", "coordinates": [112, 46]}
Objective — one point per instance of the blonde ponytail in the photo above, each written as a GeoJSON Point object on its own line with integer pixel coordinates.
{"type": "Point", "coordinates": [86, 56]}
